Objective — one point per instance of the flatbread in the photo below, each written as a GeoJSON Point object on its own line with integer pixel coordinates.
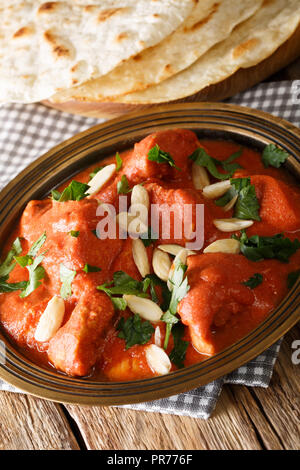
{"type": "Point", "coordinates": [48, 46]}
{"type": "Point", "coordinates": [210, 22]}
{"type": "Point", "coordinates": [250, 43]}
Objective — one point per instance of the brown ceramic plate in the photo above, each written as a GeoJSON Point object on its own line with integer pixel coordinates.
{"type": "Point", "coordinates": [246, 126]}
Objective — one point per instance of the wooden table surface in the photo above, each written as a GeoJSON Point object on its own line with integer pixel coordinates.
{"type": "Point", "coordinates": [245, 417]}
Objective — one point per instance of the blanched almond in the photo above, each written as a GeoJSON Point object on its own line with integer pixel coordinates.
{"type": "Point", "coordinates": [158, 360]}
{"type": "Point", "coordinates": [161, 264]}
{"type": "Point", "coordinates": [139, 195]}
{"type": "Point", "coordinates": [175, 249]}
{"type": "Point", "coordinates": [50, 320]}
{"type": "Point", "coordinates": [101, 178]}
{"type": "Point", "coordinates": [232, 225]}
{"type": "Point", "coordinates": [199, 176]}
{"type": "Point", "coordinates": [181, 256]}
{"type": "Point", "coordinates": [157, 336]}
{"type": "Point", "coordinates": [140, 257]}
{"type": "Point", "coordinates": [145, 308]}
{"type": "Point", "coordinates": [228, 245]}
{"type": "Point", "coordinates": [231, 203]}
{"type": "Point", "coordinates": [216, 190]}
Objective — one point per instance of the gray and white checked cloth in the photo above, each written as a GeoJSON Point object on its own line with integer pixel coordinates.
{"type": "Point", "coordinates": [27, 131]}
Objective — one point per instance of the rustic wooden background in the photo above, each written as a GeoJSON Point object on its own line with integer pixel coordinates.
{"type": "Point", "coordinates": [245, 418]}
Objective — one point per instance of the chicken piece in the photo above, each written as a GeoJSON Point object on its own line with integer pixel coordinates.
{"type": "Point", "coordinates": [75, 347]}
{"type": "Point", "coordinates": [219, 308]}
{"type": "Point", "coordinates": [279, 206]}
{"type": "Point", "coordinates": [181, 200]}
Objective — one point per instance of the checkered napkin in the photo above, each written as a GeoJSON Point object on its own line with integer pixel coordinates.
{"type": "Point", "coordinates": [27, 131]}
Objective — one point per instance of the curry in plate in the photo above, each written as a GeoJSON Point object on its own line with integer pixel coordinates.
{"type": "Point", "coordinates": [136, 304]}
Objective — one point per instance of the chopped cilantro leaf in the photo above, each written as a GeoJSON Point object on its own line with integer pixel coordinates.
{"type": "Point", "coordinates": [153, 281]}
{"type": "Point", "coordinates": [179, 291]}
{"type": "Point", "coordinates": [134, 331]}
{"type": "Point", "coordinates": [7, 265]}
{"type": "Point", "coordinates": [123, 284]}
{"type": "Point", "coordinates": [254, 281]}
{"type": "Point", "coordinates": [247, 205]}
{"type": "Point", "coordinates": [95, 171]}
{"type": "Point", "coordinates": [274, 156]}
{"type": "Point", "coordinates": [74, 192]}
{"type": "Point", "coordinates": [257, 248]}
{"type": "Point", "coordinates": [201, 158]}
{"type": "Point", "coordinates": [177, 355]}
{"type": "Point", "coordinates": [11, 286]}
{"type": "Point", "coordinates": [66, 277]}
{"type": "Point", "coordinates": [157, 155]}
{"type": "Point", "coordinates": [119, 162]}
{"type": "Point", "coordinates": [32, 263]}
{"type": "Point", "coordinates": [74, 233]}
{"type": "Point", "coordinates": [123, 186]}
{"type": "Point", "coordinates": [91, 269]}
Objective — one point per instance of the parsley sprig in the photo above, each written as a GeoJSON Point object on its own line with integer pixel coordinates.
{"type": "Point", "coordinates": [7, 265]}
{"type": "Point", "coordinates": [32, 262]}
{"type": "Point", "coordinates": [201, 158]}
{"type": "Point", "coordinates": [123, 186]}
{"type": "Point", "coordinates": [274, 156]}
{"type": "Point", "coordinates": [178, 353]}
{"type": "Point", "coordinates": [123, 284]}
{"type": "Point", "coordinates": [257, 248]}
{"type": "Point", "coordinates": [254, 281]}
{"type": "Point", "coordinates": [66, 277]}
{"type": "Point", "coordinates": [75, 191]}
{"type": "Point", "coordinates": [134, 331]}
{"type": "Point", "coordinates": [156, 154]}
{"type": "Point", "coordinates": [180, 288]}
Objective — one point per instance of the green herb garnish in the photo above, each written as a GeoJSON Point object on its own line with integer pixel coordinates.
{"type": "Point", "coordinates": [74, 192]}
{"type": "Point", "coordinates": [134, 331]}
{"type": "Point", "coordinates": [36, 274]}
{"type": "Point", "coordinates": [7, 265]}
{"type": "Point", "coordinates": [32, 263]}
{"type": "Point", "coordinates": [257, 248]}
{"type": "Point", "coordinates": [177, 355]}
{"type": "Point", "coordinates": [95, 171]}
{"type": "Point", "coordinates": [254, 281]}
{"type": "Point", "coordinates": [157, 155]}
{"type": "Point", "coordinates": [123, 186]}
{"type": "Point", "coordinates": [119, 162]}
{"type": "Point", "coordinates": [153, 281]}
{"type": "Point", "coordinates": [66, 277]}
{"type": "Point", "coordinates": [180, 288]}
{"type": "Point", "coordinates": [11, 286]}
{"type": "Point", "coordinates": [201, 158]}
{"type": "Point", "coordinates": [74, 233]}
{"type": "Point", "coordinates": [91, 269]}
{"type": "Point", "coordinates": [274, 156]}
{"type": "Point", "coordinates": [123, 284]}
{"type": "Point", "coordinates": [247, 205]}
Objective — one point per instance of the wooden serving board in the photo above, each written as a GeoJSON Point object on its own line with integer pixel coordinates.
{"type": "Point", "coordinates": [239, 81]}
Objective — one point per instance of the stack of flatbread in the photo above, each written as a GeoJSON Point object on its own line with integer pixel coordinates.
{"type": "Point", "coordinates": [133, 51]}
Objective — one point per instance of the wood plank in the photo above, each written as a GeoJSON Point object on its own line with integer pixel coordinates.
{"type": "Point", "coordinates": [264, 430]}
{"type": "Point", "coordinates": [280, 402]}
{"type": "Point", "coordinates": [28, 423]}
{"type": "Point", "coordinates": [116, 428]}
